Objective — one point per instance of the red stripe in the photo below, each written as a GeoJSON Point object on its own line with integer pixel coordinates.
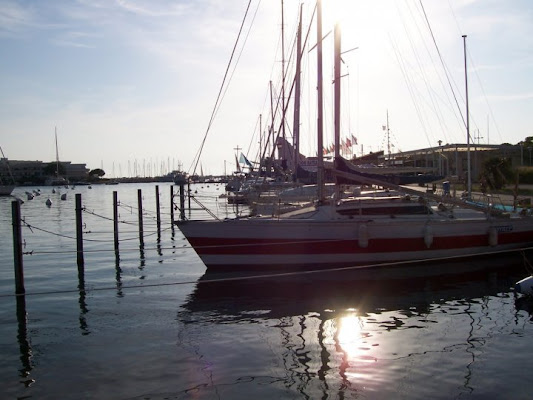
{"type": "Point", "coordinates": [236, 246]}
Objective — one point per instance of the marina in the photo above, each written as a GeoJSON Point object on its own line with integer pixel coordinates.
{"type": "Point", "coordinates": [345, 254]}
{"type": "Point", "coordinates": [154, 324]}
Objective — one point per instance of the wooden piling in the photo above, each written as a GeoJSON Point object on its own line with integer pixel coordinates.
{"type": "Point", "coordinates": [158, 211]}
{"type": "Point", "coordinates": [140, 207]}
{"type": "Point", "coordinates": [189, 194]}
{"type": "Point", "coordinates": [172, 204]}
{"type": "Point", "coordinates": [115, 220]}
{"type": "Point", "coordinates": [17, 248]}
{"type": "Point", "coordinates": [79, 236]}
{"type": "Point", "coordinates": [182, 201]}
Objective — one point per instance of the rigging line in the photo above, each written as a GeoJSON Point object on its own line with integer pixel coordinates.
{"type": "Point", "coordinates": [485, 97]}
{"type": "Point", "coordinates": [263, 276]}
{"type": "Point", "coordinates": [410, 89]}
{"type": "Point", "coordinates": [122, 250]}
{"type": "Point", "coordinates": [432, 104]}
{"type": "Point", "coordinates": [442, 61]}
{"type": "Point", "coordinates": [220, 92]}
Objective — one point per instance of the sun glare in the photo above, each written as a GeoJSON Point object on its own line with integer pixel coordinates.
{"type": "Point", "coordinates": [349, 335]}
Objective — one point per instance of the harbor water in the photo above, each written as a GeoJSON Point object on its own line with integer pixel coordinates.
{"type": "Point", "coordinates": [152, 324]}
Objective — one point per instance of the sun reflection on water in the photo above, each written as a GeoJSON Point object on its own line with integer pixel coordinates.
{"type": "Point", "coordinates": [349, 335]}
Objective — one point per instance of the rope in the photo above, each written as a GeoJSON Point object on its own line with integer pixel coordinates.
{"type": "Point", "coordinates": [262, 276]}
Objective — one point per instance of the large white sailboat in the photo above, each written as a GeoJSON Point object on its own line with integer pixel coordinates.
{"type": "Point", "coordinates": [336, 232]}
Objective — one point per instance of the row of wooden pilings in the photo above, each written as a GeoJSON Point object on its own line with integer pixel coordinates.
{"type": "Point", "coordinates": [17, 230]}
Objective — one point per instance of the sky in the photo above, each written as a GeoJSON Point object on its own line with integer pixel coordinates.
{"type": "Point", "coordinates": [131, 86]}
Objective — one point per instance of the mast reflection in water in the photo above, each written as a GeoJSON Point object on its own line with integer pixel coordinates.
{"type": "Point", "coordinates": [358, 333]}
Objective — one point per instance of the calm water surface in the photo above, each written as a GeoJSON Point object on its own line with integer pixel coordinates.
{"type": "Point", "coordinates": [153, 325]}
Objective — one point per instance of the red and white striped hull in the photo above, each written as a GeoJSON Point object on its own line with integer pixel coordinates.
{"type": "Point", "coordinates": [267, 244]}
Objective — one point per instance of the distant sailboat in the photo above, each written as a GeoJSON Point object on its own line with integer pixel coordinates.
{"type": "Point", "coordinates": [5, 188]}
{"type": "Point", "coordinates": [58, 180]}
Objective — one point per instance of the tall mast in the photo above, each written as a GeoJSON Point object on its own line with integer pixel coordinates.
{"type": "Point", "coordinates": [469, 177]}
{"type": "Point", "coordinates": [57, 155]}
{"type": "Point", "coordinates": [296, 120]}
{"type": "Point", "coordinates": [388, 140]}
{"type": "Point", "coordinates": [337, 96]}
{"type": "Point", "coordinates": [271, 151]}
{"type": "Point", "coordinates": [320, 141]}
{"type": "Point", "coordinates": [283, 73]}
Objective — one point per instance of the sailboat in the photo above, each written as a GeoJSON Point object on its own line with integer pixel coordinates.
{"type": "Point", "coordinates": [5, 188]}
{"type": "Point", "coordinates": [57, 180]}
{"type": "Point", "coordinates": [336, 233]}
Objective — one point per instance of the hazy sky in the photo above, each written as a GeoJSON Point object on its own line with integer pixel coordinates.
{"type": "Point", "coordinates": [135, 81]}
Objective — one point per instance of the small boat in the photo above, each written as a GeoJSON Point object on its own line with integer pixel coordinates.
{"type": "Point", "coordinates": [29, 195]}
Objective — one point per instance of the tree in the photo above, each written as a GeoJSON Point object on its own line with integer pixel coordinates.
{"type": "Point", "coordinates": [54, 169]}
{"type": "Point", "coordinates": [497, 172]}
{"type": "Point", "coordinates": [98, 172]}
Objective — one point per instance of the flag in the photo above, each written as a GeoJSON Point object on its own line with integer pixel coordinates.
{"type": "Point", "coordinates": [244, 160]}
{"type": "Point", "coordinates": [354, 140]}
{"type": "Point", "coordinates": [348, 142]}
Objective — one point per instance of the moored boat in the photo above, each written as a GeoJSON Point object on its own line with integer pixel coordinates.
{"type": "Point", "coordinates": [337, 233]}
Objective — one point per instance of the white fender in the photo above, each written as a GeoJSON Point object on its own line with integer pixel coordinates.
{"type": "Point", "coordinates": [363, 236]}
{"type": "Point", "coordinates": [428, 236]}
{"type": "Point", "coordinates": [493, 236]}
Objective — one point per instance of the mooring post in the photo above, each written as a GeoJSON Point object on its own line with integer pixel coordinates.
{"type": "Point", "coordinates": [182, 201]}
{"type": "Point", "coordinates": [115, 220]}
{"type": "Point", "coordinates": [140, 206]}
{"type": "Point", "coordinates": [17, 248]}
{"type": "Point", "coordinates": [172, 204]}
{"type": "Point", "coordinates": [158, 213]}
{"type": "Point", "coordinates": [79, 236]}
{"type": "Point", "coordinates": [189, 193]}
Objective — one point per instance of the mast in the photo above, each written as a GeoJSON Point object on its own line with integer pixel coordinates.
{"type": "Point", "coordinates": [469, 177]}
{"type": "Point", "coordinates": [320, 111]}
{"type": "Point", "coordinates": [283, 73]}
{"type": "Point", "coordinates": [260, 142]}
{"type": "Point", "coordinates": [57, 155]}
{"type": "Point", "coordinates": [388, 139]}
{"type": "Point", "coordinates": [272, 125]}
{"type": "Point", "coordinates": [337, 96]}
{"type": "Point", "coordinates": [296, 120]}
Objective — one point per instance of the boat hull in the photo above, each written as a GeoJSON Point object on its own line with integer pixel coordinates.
{"type": "Point", "coordinates": [269, 244]}
{"type": "Point", "coordinates": [6, 190]}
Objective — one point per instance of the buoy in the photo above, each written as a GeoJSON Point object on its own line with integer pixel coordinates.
{"type": "Point", "coordinates": [428, 236]}
{"type": "Point", "coordinates": [48, 202]}
{"type": "Point", "coordinates": [363, 236]}
{"type": "Point", "coordinates": [525, 286]}
{"type": "Point", "coordinates": [493, 236]}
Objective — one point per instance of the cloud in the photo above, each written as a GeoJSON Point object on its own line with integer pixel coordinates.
{"type": "Point", "coordinates": [14, 18]}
